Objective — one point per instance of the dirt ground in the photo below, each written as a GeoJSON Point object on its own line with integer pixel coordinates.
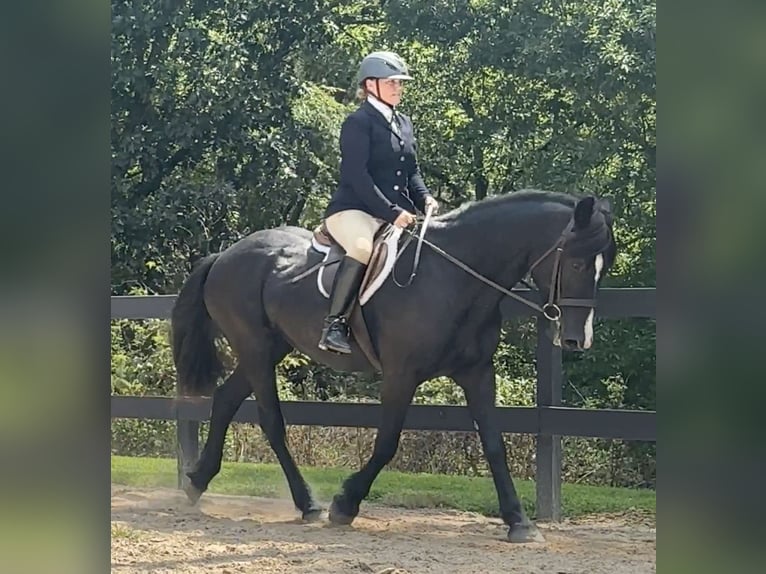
{"type": "Point", "coordinates": [158, 531]}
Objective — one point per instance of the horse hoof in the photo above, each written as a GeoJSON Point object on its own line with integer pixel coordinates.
{"type": "Point", "coordinates": [338, 516]}
{"type": "Point", "coordinates": [524, 533]}
{"type": "Point", "coordinates": [192, 493]}
{"type": "Point", "coordinates": [312, 514]}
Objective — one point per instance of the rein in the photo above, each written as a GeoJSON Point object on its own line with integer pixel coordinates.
{"type": "Point", "coordinates": [550, 309]}
{"type": "Point", "coordinates": [421, 240]}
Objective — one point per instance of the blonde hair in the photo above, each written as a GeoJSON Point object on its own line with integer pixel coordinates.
{"type": "Point", "coordinates": [361, 93]}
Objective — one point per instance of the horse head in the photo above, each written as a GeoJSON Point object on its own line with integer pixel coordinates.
{"type": "Point", "coordinates": [569, 273]}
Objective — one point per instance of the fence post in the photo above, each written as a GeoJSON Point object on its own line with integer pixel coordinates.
{"type": "Point", "coordinates": [548, 451]}
{"type": "Point", "coordinates": [187, 446]}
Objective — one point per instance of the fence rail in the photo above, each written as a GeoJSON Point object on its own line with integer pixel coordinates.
{"type": "Point", "coordinates": [622, 302]}
{"type": "Point", "coordinates": [565, 421]}
{"type": "Point", "coordinates": [549, 420]}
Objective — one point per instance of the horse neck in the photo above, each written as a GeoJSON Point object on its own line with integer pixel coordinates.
{"type": "Point", "coordinates": [502, 246]}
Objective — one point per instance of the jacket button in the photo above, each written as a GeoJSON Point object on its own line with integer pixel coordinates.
{"type": "Point", "coordinates": [401, 158]}
{"type": "Point", "coordinates": [396, 188]}
{"type": "Point", "coordinates": [398, 172]}
{"type": "Point", "coordinates": [401, 143]}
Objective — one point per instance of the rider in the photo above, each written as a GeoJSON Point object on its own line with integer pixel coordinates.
{"type": "Point", "coordinates": [379, 182]}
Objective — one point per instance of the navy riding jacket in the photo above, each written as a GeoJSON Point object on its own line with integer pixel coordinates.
{"type": "Point", "coordinates": [379, 171]}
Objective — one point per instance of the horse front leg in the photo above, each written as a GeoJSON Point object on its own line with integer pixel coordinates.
{"type": "Point", "coordinates": [227, 398]}
{"type": "Point", "coordinates": [478, 384]}
{"type": "Point", "coordinates": [264, 384]}
{"type": "Point", "coordinates": [396, 395]}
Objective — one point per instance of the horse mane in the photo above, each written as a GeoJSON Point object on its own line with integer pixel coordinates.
{"type": "Point", "coordinates": [595, 241]}
{"type": "Point", "coordinates": [478, 208]}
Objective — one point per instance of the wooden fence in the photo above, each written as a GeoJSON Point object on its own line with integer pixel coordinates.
{"type": "Point", "coordinates": [549, 421]}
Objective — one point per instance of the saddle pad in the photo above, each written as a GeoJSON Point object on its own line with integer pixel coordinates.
{"type": "Point", "coordinates": [381, 263]}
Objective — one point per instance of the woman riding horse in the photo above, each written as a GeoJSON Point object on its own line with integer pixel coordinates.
{"type": "Point", "coordinates": [379, 182]}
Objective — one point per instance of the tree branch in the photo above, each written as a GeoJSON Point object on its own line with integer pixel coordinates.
{"type": "Point", "coordinates": [147, 187]}
{"type": "Point", "coordinates": [430, 172]}
{"type": "Point", "coordinates": [508, 185]}
{"type": "Point", "coordinates": [480, 181]}
{"type": "Point", "coordinates": [346, 22]}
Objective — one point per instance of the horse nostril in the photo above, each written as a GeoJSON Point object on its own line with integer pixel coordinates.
{"type": "Point", "coordinates": [572, 345]}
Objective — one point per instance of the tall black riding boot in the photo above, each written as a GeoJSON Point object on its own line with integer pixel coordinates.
{"type": "Point", "coordinates": [345, 288]}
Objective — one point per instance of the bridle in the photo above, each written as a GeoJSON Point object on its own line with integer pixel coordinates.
{"type": "Point", "coordinates": [551, 309]}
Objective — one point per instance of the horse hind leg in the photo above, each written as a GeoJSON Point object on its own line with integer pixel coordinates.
{"type": "Point", "coordinates": [227, 399]}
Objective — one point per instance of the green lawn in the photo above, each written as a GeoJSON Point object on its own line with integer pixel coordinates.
{"type": "Point", "coordinates": [391, 488]}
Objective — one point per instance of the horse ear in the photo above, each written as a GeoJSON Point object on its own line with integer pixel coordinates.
{"type": "Point", "coordinates": [584, 211]}
{"type": "Point", "coordinates": [605, 207]}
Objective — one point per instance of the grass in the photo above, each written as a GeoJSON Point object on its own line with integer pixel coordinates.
{"type": "Point", "coordinates": [123, 532]}
{"type": "Point", "coordinates": [473, 494]}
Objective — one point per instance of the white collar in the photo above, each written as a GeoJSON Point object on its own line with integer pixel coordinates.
{"type": "Point", "coordinates": [387, 112]}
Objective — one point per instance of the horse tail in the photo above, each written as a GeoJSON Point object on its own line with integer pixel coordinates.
{"type": "Point", "coordinates": [193, 334]}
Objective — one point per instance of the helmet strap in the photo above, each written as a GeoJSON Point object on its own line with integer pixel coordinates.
{"type": "Point", "coordinates": [377, 97]}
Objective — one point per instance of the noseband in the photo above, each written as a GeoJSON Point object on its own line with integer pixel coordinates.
{"type": "Point", "coordinates": [551, 310]}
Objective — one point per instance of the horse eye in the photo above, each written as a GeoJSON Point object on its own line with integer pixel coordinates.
{"type": "Point", "coordinates": [578, 265]}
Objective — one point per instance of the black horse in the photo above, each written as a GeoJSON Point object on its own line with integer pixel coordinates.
{"type": "Point", "coordinates": [446, 323]}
